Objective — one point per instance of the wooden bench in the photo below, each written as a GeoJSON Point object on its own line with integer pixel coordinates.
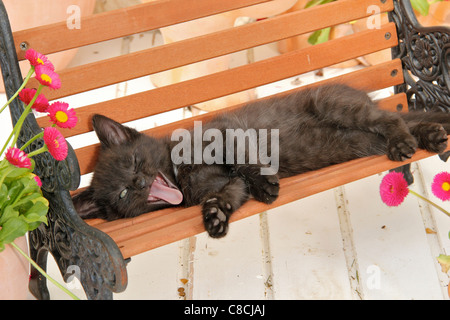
{"type": "Point", "coordinates": [102, 249]}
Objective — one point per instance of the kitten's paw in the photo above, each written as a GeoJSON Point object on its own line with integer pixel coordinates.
{"type": "Point", "coordinates": [432, 137]}
{"type": "Point", "coordinates": [400, 149]}
{"type": "Point", "coordinates": [216, 213]}
{"type": "Point", "coordinates": [265, 188]}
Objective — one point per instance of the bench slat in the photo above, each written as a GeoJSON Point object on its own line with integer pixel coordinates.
{"type": "Point", "coordinates": [122, 22]}
{"type": "Point", "coordinates": [291, 189]}
{"type": "Point", "coordinates": [173, 55]}
{"type": "Point", "coordinates": [392, 103]}
{"type": "Point", "coordinates": [227, 82]}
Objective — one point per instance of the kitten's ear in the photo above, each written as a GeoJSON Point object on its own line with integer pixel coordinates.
{"type": "Point", "coordinates": [111, 132]}
{"type": "Point", "coordinates": [86, 206]}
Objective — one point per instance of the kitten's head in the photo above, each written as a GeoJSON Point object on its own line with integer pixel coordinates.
{"type": "Point", "coordinates": [133, 174]}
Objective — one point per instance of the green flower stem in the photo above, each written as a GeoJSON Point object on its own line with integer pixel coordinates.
{"type": "Point", "coordinates": [56, 283]}
{"type": "Point", "coordinates": [38, 151]}
{"type": "Point", "coordinates": [30, 73]}
{"type": "Point", "coordinates": [16, 130]}
{"type": "Point", "coordinates": [39, 135]}
{"type": "Point", "coordinates": [5, 174]}
{"type": "Point", "coordinates": [430, 202]}
{"type": "Point", "coordinates": [25, 114]}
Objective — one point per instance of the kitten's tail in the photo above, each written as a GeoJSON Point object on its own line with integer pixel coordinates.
{"type": "Point", "coordinates": [416, 117]}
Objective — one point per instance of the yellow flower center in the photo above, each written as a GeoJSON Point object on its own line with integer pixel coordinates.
{"type": "Point", "coordinates": [39, 60]}
{"type": "Point", "coordinates": [61, 116]}
{"type": "Point", "coordinates": [56, 143]}
{"type": "Point", "coordinates": [446, 186]}
{"type": "Point", "coordinates": [46, 78]}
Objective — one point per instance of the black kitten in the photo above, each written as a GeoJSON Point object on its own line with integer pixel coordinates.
{"type": "Point", "coordinates": [221, 163]}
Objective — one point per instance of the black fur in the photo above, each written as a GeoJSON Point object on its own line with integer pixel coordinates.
{"type": "Point", "coordinates": [317, 128]}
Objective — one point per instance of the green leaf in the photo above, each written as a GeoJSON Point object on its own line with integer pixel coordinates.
{"type": "Point", "coordinates": [3, 196]}
{"type": "Point", "coordinates": [12, 229]}
{"type": "Point", "coordinates": [444, 262]}
{"type": "Point", "coordinates": [36, 214]}
{"type": "Point", "coordinates": [313, 3]}
{"type": "Point", "coordinates": [319, 36]}
{"type": "Point", "coordinates": [421, 5]}
{"type": "Point", "coordinates": [8, 213]}
{"type": "Point", "coordinates": [17, 172]}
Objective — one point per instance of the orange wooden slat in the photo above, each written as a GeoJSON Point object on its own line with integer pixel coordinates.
{"type": "Point", "coordinates": [121, 22]}
{"type": "Point", "coordinates": [369, 79]}
{"type": "Point", "coordinates": [395, 103]}
{"type": "Point", "coordinates": [173, 55]}
{"type": "Point", "coordinates": [227, 82]}
{"type": "Point", "coordinates": [291, 189]}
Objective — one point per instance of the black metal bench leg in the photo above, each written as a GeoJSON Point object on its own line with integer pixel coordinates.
{"type": "Point", "coordinates": [79, 250]}
{"type": "Point", "coordinates": [38, 283]}
{"type": "Point", "coordinates": [407, 174]}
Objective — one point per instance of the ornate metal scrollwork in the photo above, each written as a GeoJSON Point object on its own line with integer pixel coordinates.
{"type": "Point", "coordinates": [425, 54]}
{"type": "Point", "coordinates": [67, 237]}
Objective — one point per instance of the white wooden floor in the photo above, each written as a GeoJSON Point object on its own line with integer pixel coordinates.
{"type": "Point", "coordinates": [340, 244]}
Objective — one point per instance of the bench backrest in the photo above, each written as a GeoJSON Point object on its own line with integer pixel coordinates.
{"type": "Point", "coordinates": [119, 23]}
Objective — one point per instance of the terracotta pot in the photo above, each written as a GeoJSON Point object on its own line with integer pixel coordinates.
{"type": "Point", "coordinates": [14, 275]}
{"type": "Point", "coordinates": [25, 14]}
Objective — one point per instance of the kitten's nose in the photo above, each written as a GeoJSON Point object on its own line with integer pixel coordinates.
{"type": "Point", "coordinates": [140, 182]}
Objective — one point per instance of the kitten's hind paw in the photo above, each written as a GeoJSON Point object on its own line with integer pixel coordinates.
{"type": "Point", "coordinates": [265, 188]}
{"type": "Point", "coordinates": [431, 137]}
{"type": "Point", "coordinates": [401, 149]}
{"type": "Point", "coordinates": [216, 213]}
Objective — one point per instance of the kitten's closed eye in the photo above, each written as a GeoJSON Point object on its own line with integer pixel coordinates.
{"type": "Point", "coordinates": [137, 164]}
{"type": "Point", "coordinates": [123, 194]}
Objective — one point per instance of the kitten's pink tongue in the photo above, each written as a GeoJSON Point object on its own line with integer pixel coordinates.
{"type": "Point", "coordinates": [170, 195]}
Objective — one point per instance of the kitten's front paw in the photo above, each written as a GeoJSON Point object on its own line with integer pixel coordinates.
{"type": "Point", "coordinates": [265, 188]}
{"type": "Point", "coordinates": [432, 137]}
{"type": "Point", "coordinates": [216, 213]}
{"type": "Point", "coordinates": [400, 149]}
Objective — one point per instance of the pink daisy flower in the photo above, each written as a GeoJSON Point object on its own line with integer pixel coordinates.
{"type": "Point", "coordinates": [41, 103]}
{"type": "Point", "coordinates": [47, 77]}
{"type": "Point", "coordinates": [441, 186]}
{"type": "Point", "coordinates": [38, 181]}
{"type": "Point", "coordinates": [61, 115]}
{"type": "Point", "coordinates": [56, 144]}
{"type": "Point", "coordinates": [38, 59]}
{"type": "Point", "coordinates": [393, 189]}
{"type": "Point", "coordinates": [18, 158]}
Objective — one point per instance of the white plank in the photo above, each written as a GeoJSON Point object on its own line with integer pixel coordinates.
{"type": "Point", "coordinates": [306, 245]}
{"type": "Point", "coordinates": [153, 274]}
{"type": "Point", "coordinates": [430, 167]}
{"type": "Point", "coordinates": [231, 267]}
{"type": "Point", "coordinates": [393, 254]}
{"type": "Point", "coordinates": [437, 221]}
